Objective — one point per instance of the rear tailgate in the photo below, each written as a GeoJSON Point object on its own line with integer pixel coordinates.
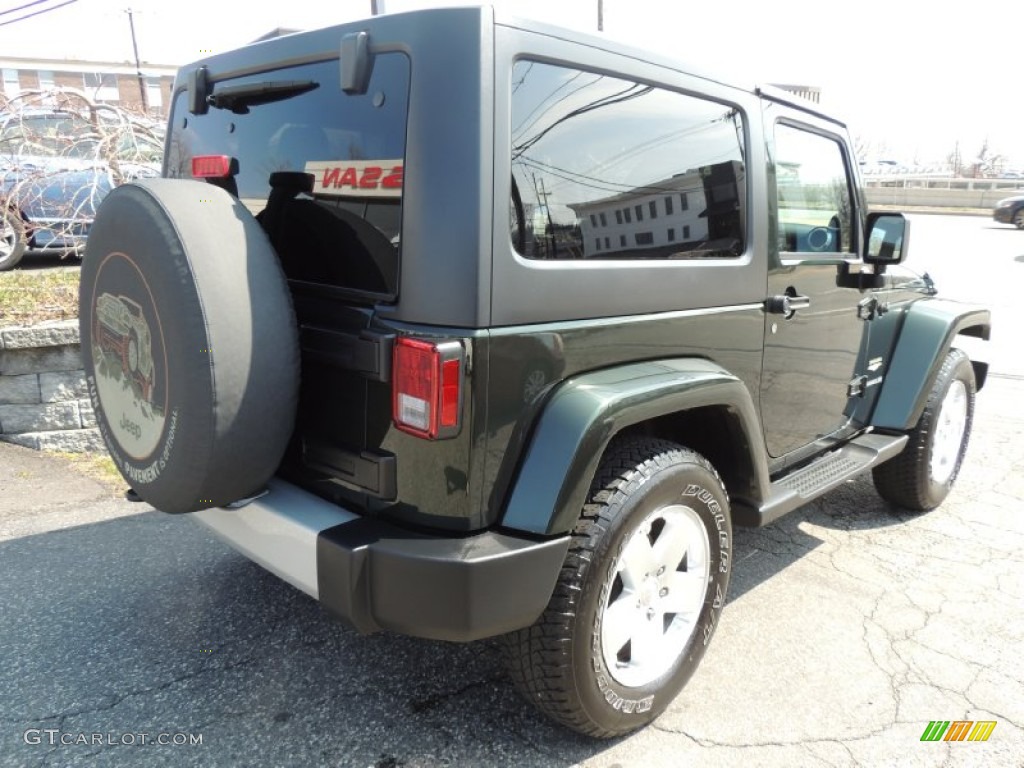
{"type": "Point", "coordinates": [322, 170]}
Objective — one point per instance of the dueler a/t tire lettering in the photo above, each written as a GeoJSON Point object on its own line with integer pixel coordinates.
{"type": "Point", "coordinates": [180, 277]}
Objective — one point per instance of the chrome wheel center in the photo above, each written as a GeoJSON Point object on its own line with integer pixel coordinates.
{"type": "Point", "coordinates": [659, 588]}
{"type": "Point", "coordinates": [649, 593]}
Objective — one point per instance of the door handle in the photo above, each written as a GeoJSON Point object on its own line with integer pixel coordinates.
{"type": "Point", "coordinates": [786, 304]}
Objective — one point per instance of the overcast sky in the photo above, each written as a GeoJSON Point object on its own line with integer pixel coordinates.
{"type": "Point", "coordinates": [908, 77]}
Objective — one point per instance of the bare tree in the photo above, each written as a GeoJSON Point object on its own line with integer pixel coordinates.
{"type": "Point", "coordinates": [987, 162]}
{"type": "Point", "coordinates": [954, 160]}
{"type": "Point", "coordinates": [60, 152]}
{"type": "Point", "coordinates": [101, 132]}
{"type": "Point", "coordinates": [862, 147]}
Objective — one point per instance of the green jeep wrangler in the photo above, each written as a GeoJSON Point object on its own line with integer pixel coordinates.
{"type": "Point", "coordinates": [471, 327]}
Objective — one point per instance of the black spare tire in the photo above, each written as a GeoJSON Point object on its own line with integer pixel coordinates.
{"type": "Point", "coordinates": [190, 344]}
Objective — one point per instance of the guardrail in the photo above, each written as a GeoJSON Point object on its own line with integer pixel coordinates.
{"type": "Point", "coordinates": [939, 192]}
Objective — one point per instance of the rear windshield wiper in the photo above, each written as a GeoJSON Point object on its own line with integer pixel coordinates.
{"type": "Point", "coordinates": [238, 98]}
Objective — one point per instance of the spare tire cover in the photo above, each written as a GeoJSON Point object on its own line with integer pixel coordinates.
{"type": "Point", "coordinates": [189, 341]}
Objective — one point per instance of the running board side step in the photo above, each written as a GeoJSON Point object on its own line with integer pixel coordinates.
{"type": "Point", "coordinates": [820, 476]}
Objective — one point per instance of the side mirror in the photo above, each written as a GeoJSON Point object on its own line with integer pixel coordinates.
{"type": "Point", "coordinates": [887, 237]}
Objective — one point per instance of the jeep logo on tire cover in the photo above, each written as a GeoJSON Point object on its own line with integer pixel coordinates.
{"type": "Point", "coordinates": [130, 385]}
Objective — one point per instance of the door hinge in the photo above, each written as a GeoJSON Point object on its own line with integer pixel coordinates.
{"type": "Point", "coordinates": [869, 308]}
{"type": "Point", "coordinates": [856, 386]}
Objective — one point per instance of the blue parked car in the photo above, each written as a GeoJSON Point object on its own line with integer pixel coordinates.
{"type": "Point", "coordinates": [54, 173]}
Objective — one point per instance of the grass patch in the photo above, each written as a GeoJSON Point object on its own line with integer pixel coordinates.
{"type": "Point", "coordinates": [99, 466]}
{"type": "Point", "coordinates": [35, 296]}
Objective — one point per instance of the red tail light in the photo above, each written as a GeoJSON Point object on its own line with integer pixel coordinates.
{"type": "Point", "coordinates": [427, 387]}
{"type": "Point", "coordinates": [212, 166]}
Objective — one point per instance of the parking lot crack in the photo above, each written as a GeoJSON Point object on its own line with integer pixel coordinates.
{"type": "Point", "coordinates": [117, 699]}
{"type": "Point", "coordinates": [532, 745]}
{"type": "Point", "coordinates": [894, 676]}
{"type": "Point", "coordinates": [434, 701]}
{"type": "Point", "coordinates": [705, 742]}
{"type": "Point", "coordinates": [808, 747]}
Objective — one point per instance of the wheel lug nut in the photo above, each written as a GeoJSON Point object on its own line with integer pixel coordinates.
{"type": "Point", "coordinates": [663, 592]}
{"type": "Point", "coordinates": [661, 570]}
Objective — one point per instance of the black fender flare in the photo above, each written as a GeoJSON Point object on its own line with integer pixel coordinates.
{"type": "Point", "coordinates": [588, 410]}
{"type": "Point", "coordinates": [928, 331]}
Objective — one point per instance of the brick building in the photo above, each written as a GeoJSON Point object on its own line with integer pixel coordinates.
{"type": "Point", "coordinates": [104, 81]}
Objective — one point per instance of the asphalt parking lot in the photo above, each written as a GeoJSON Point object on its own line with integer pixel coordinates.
{"type": "Point", "coordinates": [849, 628]}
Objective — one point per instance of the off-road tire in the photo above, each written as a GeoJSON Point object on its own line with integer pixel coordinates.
{"type": "Point", "coordinates": [15, 241]}
{"type": "Point", "coordinates": [212, 422]}
{"type": "Point", "coordinates": [558, 663]}
{"type": "Point", "coordinates": [908, 480]}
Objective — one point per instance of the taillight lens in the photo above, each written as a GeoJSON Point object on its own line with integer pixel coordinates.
{"type": "Point", "coordinates": [427, 387]}
{"type": "Point", "coordinates": [212, 166]}
{"type": "Point", "coordinates": [450, 386]}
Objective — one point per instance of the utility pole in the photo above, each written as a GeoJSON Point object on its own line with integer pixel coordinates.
{"type": "Point", "coordinates": [600, 15]}
{"type": "Point", "coordinates": [138, 66]}
{"type": "Point", "coordinates": [376, 7]}
{"type": "Point", "coordinates": [542, 194]}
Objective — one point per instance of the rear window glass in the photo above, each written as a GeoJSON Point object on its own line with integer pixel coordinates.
{"type": "Point", "coordinates": [606, 168]}
{"type": "Point", "coordinates": [342, 226]}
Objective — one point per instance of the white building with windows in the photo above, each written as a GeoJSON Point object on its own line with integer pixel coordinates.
{"type": "Point", "coordinates": [657, 216]}
{"type": "Point", "coordinates": [668, 218]}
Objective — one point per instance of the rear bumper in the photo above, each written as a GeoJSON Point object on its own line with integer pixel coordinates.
{"type": "Point", "coordinates": [375, 575]}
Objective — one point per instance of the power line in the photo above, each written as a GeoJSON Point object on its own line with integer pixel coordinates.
{"type": "Point", "coordinates": [19, 7]}
{"type": "Point", "coordinates": [624, 95]}
{"type": "Point", "coordinates": [36, 13]}
{"type": "Point", "coordinates": [520, 129]}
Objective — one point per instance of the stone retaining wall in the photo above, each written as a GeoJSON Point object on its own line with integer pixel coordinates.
{"type": "Point", "coordinates": [44, 403]}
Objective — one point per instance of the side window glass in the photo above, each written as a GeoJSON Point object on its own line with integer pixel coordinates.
{"type": "Point", "coordinates": [814, 204]}
{"type": "Point", "coordinates": [604, 168]}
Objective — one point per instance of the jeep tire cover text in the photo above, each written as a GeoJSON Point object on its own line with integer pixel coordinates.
{"type": "Point", "coordinates": [189, 342]}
